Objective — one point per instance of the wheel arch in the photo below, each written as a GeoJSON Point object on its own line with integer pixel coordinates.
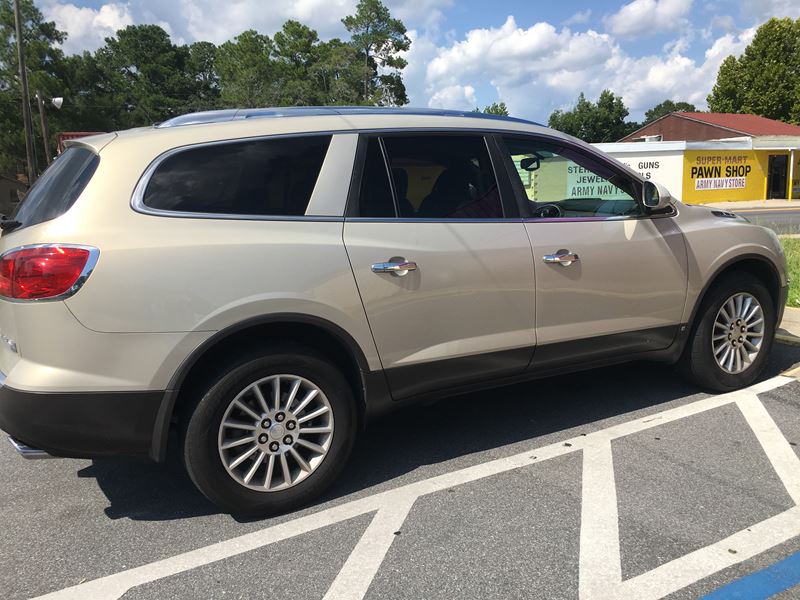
{"type": "Point", "coordinates": [758, 265]}
{"type": "Point", "coordinates": [199, 367]}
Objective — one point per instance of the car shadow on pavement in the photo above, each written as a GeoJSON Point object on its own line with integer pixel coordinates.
{"type": "Point", "coordinates": [144, 490]}
{"type": "Point", "coordinates": [425, 434]}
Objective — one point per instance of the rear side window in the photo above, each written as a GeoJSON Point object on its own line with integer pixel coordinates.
{"type": "Point", "coordinates": [261, 177]}
{"type": "Point", "coordinates": [58, 187]}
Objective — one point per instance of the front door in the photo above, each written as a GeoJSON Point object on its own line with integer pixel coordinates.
{"type": "Point", "coordinates": [609, 279]}
{"type": "Point", "coordinates": [445, 278]}
{"type": "Point", "coordinates": [777, 176]}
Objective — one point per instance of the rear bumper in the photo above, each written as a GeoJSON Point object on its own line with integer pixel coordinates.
{"type": "Point", "coordinates": [81, 425]}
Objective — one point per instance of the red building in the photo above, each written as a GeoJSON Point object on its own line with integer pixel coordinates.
{"type": "Point", "coordinates": [700, 127]}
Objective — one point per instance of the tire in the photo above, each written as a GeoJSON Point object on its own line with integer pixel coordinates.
{"type": "Point", "coordinates": [699, 363]}
{"type": "Point", "coordinates": [205, 436]}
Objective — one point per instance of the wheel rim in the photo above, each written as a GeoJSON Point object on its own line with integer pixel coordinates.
{"type": "Point", "coordinates": [738, 333]}
{"type": "Point", "coordinates": [275, 433]}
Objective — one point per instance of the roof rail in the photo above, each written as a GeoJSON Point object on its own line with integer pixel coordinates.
{"type": "Point", "coordinates": [237, 114]}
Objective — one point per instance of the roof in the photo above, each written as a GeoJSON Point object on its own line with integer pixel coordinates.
{"type": "Point", "coordinates": [235, 114]}
{"type": "Point", "coordinates": [747, 124]}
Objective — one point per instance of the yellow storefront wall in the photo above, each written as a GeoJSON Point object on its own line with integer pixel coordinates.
{"type": "Point", "coordinates": [725, 175]}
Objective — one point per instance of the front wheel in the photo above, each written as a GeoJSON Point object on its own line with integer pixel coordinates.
{"type": "Point", "coordinates": [270, 434]}
{"type": "Point", "coordinates": [732, 336]}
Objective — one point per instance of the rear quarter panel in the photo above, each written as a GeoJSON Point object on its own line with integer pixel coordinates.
{"type": "Point", "coordinates": [160, 275]}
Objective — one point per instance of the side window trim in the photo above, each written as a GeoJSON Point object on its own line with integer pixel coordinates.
{"type": "Point", "coordinates": [354, 193]}
{"type": "Point", "coordinates": [525, 203]}
{"type": "Point", "coordinates": [352, 209]}
{"type": "Point", "coordinates": [390, 176]}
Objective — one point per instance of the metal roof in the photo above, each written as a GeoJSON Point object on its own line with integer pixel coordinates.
{"type": "Point", "coordinates": [743, 123]}
{"type": "Point", "coordinates": [237, 114]}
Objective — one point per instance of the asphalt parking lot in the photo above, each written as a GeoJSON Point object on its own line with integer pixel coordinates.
{"type": "Point", "coordinates": [616, 483]}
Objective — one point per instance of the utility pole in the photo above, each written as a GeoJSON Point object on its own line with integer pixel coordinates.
{"type": "Point", "coordinates": [45, 132]}
{"type": "Point", "coordinates": [26, 107]}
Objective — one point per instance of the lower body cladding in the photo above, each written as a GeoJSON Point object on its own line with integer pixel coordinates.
{"type": "Point", "coordinates": [79, 424]}
{"type": "Point", "coordinates": [136, 423]}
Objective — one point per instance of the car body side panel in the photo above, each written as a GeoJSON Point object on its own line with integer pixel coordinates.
{"type": "Point", "coordinates": [472, 292]}
{"type": "Point", "coordinates": [631, 276]}
{"type": "Point", "coordinates": [55, 353]}
{"type": "Point", "coordinates": [714, 242]}
{"type": "Point", "coordinates": [176, 280]}
{"type": "Point", "coordinates": [166, 274]}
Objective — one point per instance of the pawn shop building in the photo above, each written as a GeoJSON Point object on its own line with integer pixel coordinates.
{"type": "Point", "coordinates": [715, 157]}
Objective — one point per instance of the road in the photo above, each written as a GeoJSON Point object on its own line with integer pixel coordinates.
{"type": "Point", "coordinates": [783, 221]}
{"type": "Point", "coordinates": [621, 482]}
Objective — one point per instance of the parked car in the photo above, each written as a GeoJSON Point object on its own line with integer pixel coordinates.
{"type": "Point", "coordinates": [259, 284]}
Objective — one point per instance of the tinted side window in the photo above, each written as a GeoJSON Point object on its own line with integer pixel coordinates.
{"type": "Point", "coordinates": [58, 188]}
{"type": "Point", "coordinates": [443, 177]}
{"type": "Point", "coordinates": [561, 182]}
{"type": "Point", "coordinates": [375, 198]}
{"type": "Point", "coordinates": [260, 177]}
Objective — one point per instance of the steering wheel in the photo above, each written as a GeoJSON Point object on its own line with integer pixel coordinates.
{"type": "Point", "coordinates": [548, 211]}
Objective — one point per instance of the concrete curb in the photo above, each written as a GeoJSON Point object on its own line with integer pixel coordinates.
{"type": "Point", "coordinates": [784, 337]}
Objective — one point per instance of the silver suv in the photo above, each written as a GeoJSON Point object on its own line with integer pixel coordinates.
{"type": "Point", "coordinates": [258, 284]}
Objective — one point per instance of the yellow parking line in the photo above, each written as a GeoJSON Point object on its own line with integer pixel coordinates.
{"type": "Point", "coordinates": [793, 372]}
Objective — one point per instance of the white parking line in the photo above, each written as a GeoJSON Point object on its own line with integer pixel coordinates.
{"type": "Point", "coordinates": [600, 565]}
{"type": "Point", "coordinates": [600, 572]}
{"type": "Point", "coordinates": [364, 561]}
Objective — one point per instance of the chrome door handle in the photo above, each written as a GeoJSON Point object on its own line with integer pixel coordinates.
{"type": "Point", "coordinates": [562, 257]}
{"type": "Point", "coordinates": [398, 269]}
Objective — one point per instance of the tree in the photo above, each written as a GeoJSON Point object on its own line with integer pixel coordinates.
{"type": "Point", "coordinates": [201, 69]}
{"type": "Point", "coordinates": [147, 74]}
{"type": "Point", "coordinates": [337, 73]}
{"type": "Point", "coordinates": [764, 79]}
{"type": "Point", "coordinates": [665, 108]}
{"type": "Point", "coordinates": [247, 71]}
{"type": "Point", "coordinates": [297, 50]}
{"type": "Point", "coordinates": [600, 122]}
{"type": "Point", "coordinates": [45, 63]}
{"type": "Point", "coordinates": [380, 38]}
{"type": "Point", "coordinates": [495, 108]}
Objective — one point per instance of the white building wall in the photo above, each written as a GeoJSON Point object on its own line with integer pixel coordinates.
{"type": "Point", "coordinates": [662, 166]}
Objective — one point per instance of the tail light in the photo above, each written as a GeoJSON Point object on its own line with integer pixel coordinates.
{"type": "Point", "coordinates": [52, 271]}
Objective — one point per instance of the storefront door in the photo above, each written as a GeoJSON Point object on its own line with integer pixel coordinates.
{"type": "Point", "coordinates": [776, 176]}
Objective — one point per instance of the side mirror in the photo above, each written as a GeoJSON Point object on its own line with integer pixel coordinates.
{"type": "Point", "coordinates": [530, 163]}
{"type": "Point", "coordinates": [656, 196]}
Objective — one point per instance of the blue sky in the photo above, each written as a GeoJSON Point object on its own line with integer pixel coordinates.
{"type": "Point", "coordinates": [535, 55]}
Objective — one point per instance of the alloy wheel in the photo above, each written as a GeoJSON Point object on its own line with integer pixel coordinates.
{"type": "Point", "coordinates": [275, 433]}
{"type": "Point", "coordinates": [738, 333]}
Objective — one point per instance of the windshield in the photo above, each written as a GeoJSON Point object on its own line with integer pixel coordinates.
{"type": "Point", "coordinates": [58, 187]}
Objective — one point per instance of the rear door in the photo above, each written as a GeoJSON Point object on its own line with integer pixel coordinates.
{"type": "Point", "coordinates": [442, 261]}
{"type": "Point", "coordinates": [610, 279]}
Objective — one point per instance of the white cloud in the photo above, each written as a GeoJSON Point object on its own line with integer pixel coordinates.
{"type": "Point", "coordinates": [425, 14]}
{"type": "Point", "coordinates": [220, 20]}
{"type": "Point", "coordinates": [648, 16]}
{"type": "Point", "coordinates": [538, 69]}
{"type": "Point", "coordinates": [87, 27]}
{"type": "Point", "coordinates": [422, 51]}
{"type": "Point", "coordinates": [580, 17]}
{"type": "Point", "coordinates": [514, 55]}
{"type": "Point", "coordinates": [454, 96]}
{"type": "Point", "coordinates": [764, 9]}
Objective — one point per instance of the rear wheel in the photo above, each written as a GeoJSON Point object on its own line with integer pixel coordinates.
{"type": "Point", "coordinates": [732, 336]}
{"type": "Point", "coordinates": [270, 434]}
